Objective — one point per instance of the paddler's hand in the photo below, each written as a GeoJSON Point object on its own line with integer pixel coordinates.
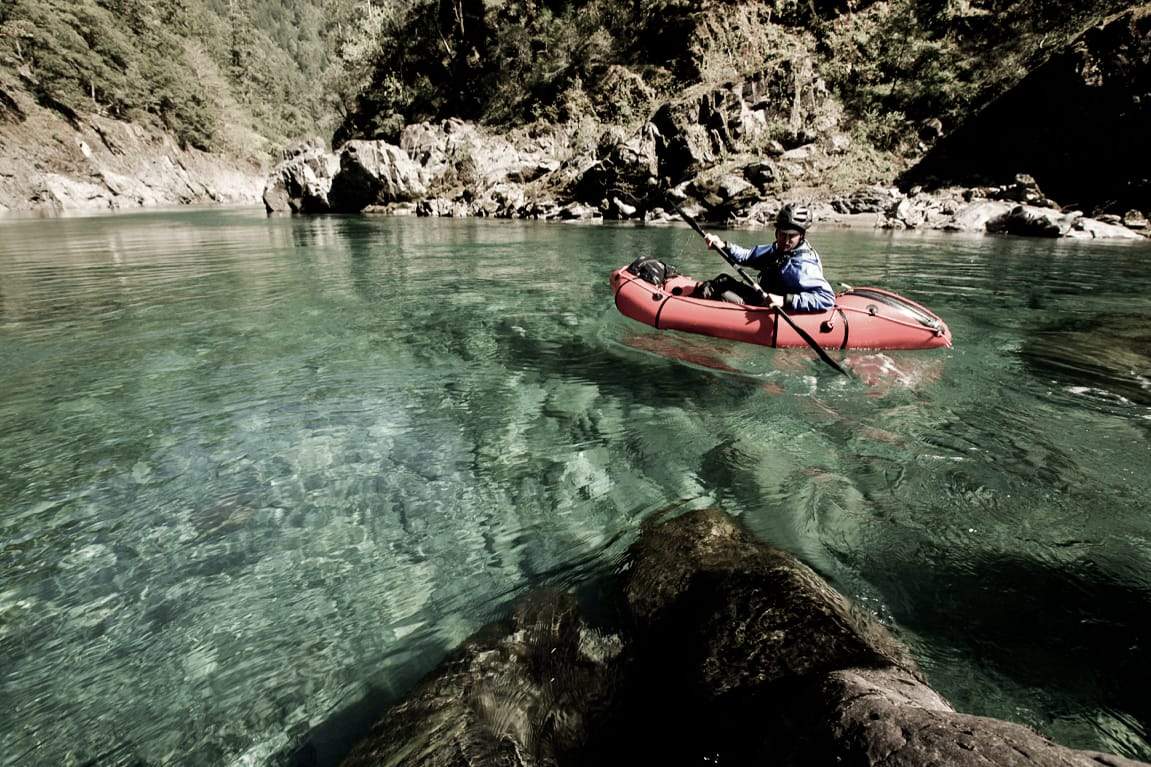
{"type": "Point", "coordinates": [773, 299]}
{"type": "Point", "coordinates": [714, 242]}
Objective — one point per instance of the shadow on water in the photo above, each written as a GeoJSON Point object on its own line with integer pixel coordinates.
{"type": "Point", "coordinates": [1109, 356]}
{"type": "Point", "coordinates": [653, 380]}
{"type": "Point", "coordinates": [1068, 625]}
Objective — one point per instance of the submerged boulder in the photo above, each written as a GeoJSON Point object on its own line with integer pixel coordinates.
{"type": "Point", "coordinates": [881, 716]}
{"type": "Point", "coordinates": [520, 692]}
{"type": "Point", "coordinates": [1071, 354]}
{"type": "Point", "coordinates": [735, 613]}
{"type": "Point", "coordinates": [729, 651]}
{"type": "Point", "coordinates": [743, 655]}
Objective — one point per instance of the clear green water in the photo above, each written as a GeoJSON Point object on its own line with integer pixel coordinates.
{"type": "Point", "coordinates": [256, 474]}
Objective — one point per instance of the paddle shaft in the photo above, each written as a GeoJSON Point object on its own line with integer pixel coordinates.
{"type": "Point", "coordinates": [779, 310]}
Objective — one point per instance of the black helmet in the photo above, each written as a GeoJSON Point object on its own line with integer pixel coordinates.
{"type": "Point", "coordinates": [794, 216]}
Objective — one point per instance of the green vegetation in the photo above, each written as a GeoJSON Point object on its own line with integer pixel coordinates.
{"type": "Point", "coordinates": [906, 61]}
{"type": "Point", "coordinates": [280, 69]}
{"type": "Point", "coordinates": [277, 68]}
{"type": "Point", "coordinates": [891, 64]}
{"type": "Point", "coordinates": [513, 62]}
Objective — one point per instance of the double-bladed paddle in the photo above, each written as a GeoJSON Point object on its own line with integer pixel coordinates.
{"type": "Point", "coordinates": [779, 310]}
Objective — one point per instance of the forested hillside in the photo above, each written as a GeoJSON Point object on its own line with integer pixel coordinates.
{"type": "Point", "coordinates": [869, 83]}
{"type": "Point", "coordinates": [233, 76]}
{"type": "Point", "coordinates": [291, 68]}
{"type": "Point", "coordinates": [891, 62]}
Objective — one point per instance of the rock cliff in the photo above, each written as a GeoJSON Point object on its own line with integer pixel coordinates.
{"type": "Point", "coordinates": [57, 159]}
{"type": "Point", "coordinates": [754, 107]}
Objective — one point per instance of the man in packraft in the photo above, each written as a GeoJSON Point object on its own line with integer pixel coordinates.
{"type": "Point", "coordinates": [791, 274]}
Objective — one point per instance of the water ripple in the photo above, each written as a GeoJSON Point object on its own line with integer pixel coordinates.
{"type": "Point", "coordinates": [252, 469]}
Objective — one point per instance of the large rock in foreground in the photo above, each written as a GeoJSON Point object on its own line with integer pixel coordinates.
{"type": "Point", "coordinates": [521, 692]}
{"type": "Point", "coordinates": [881, 716]}
{"type": "Point", "coordinates": [732, 652]}
{"type": "Point", "coordinates": [735, 616]}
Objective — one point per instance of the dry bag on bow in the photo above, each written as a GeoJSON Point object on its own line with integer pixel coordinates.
{"type": "Point", "coordinates": [651, 270]}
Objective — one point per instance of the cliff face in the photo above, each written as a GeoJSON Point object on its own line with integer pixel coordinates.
{"type": "Point", "coordinates": [514, 61]}
{"type": "Point", "coordinates": [60, 160]}
{"type": "Point", "coordinates": [1079, 124]}
{"type": "Point", "coordinates": [99, 99]}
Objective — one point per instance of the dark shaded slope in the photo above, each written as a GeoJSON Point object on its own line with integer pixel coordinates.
{"type": "Point", "coordinates": [1078, 124]}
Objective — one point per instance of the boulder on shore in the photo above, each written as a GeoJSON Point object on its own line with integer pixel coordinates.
{"type": "Point", "coordinates": [300, 183]}
{"type": "Point", "coordinates": [1027, 221]}
{"type": "Point", "coordinates": [374, 173]}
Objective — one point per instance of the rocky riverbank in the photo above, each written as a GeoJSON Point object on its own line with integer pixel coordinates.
{"type": "Point", "coordinates": [726, 650]}
{"type": "Point", "coordinates": [457, 169]}
{"type": "Point", "coordinates": [732, 153]}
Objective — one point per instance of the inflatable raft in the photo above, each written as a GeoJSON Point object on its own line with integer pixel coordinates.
{"type": "Point", "coordinates": [862, 318]}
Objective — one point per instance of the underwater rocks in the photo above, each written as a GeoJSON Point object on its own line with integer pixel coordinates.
{"type": "Point", "coordinates": [881, 716]}
{"type": "Point", "coordinates": [1117, 373]}
{"type": "Point", "coordinates": [520, 692]}
{"type": "Point", "coordinates": [726, 650]}
{"type": "Point", "coordinates": [736, 615]}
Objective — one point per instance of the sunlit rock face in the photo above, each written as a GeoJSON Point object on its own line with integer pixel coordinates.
{"type": "Point", "coordinates": [1078, 124]}
{"type": "Point", "coordinates": [374, 173]}
{"type": "Point", "coordinates": [302, 180]}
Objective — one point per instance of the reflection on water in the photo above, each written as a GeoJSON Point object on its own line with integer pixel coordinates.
{"type": "Point", "coordinates": [258, 474]}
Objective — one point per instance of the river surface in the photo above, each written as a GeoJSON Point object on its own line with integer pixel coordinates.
{"type": "Point", "coordinates": [257, 475]}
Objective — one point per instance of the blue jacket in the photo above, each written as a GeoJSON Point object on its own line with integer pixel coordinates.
{"type": "Point", "coordinates": [798, 277]}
